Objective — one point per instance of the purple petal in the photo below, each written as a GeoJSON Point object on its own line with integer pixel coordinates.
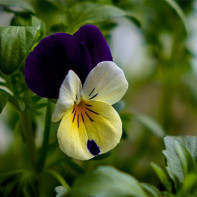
{"type": "Point", "coordinates": [48, 64]}
{"type": "Point", "coordinates": [97, 46]}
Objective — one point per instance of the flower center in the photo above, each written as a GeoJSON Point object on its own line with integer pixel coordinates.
{"type": "Point", "coordinates": [82, 112]}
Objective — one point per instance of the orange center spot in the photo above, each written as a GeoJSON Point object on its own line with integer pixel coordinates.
{"type": "Point", "coordinates": [80, 106]}
{"type": "Point", "coordinates": [82, 112]}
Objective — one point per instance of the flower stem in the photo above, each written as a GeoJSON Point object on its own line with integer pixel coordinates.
{"type": "Point", "coordinates": [29, 137]}
{"type": "Point", "coordinates": [59, 178]}
{"type": "Point", "coordinates": [42, 158]}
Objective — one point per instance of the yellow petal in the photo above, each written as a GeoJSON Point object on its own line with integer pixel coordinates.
{"type": "Point", "coordinates": [88, 129]}
{"type": "Point", "coordinates": [106, 83]}
{"type": "Point", "coordinates": [69, 93]}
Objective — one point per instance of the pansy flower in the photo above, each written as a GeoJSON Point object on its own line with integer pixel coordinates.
{"type": "Point", "coordinates": [78, 70]}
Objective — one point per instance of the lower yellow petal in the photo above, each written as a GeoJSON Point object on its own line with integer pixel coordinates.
{"type": "Point", "coordinates": [88, 129]}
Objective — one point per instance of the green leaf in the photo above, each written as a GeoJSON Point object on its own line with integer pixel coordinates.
{"type": "Point", "coordinates": [162, 176]}
{"type": "Point", "coordinates": [4, 94]}
{"type": "Point", "coordinates": [133, 18]}
{"type": "Point", "coordinates": [25, 4]}
{"type": "Point", "coordinates": [51, 15]}
{"type": "Point", "coordinates": [3, 100]}
{"type": "Point", "coordinates": [60, 4]}
{"type": "Point", "coordinates": [6, 90]}
{"type": "Point", "coordinates": [152, 190]}
{"type": "Point", "coordinates": [150, 124]}
{"type": "Point", "coordinates": [15, 44]}
{"type": "Point", "coordinates": [11, 173]}
{"type": "Point", "coordinates": [185, 157]}
{"type": "Point", "coordinates": [106, 181]}
{"type": "Point", "coordinates": [190, 183]}
{"type": "Point", "coordinates": [21, 19]}
{"type": "Point", "coordinates": [179, 11]}
{"type": "Point", "coordinates": [84, 13]}
{"type": "Point", "coordinates": [25, 19]}
{"type": "Point", "coordinates": [9, 181]}
{"type": "Point", "coordinates": [174, 165]}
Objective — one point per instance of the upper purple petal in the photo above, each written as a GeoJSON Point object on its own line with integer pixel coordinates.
{"type": "Point", "coordinates": [48, 64]}
{"type": "Point", "coordinates": [97, 46]}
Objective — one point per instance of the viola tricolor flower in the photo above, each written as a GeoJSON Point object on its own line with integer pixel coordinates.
{"type": "Point", "coordinates": [78, 70]}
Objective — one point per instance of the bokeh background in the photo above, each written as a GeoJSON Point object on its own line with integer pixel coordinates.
{"type": "Point", "coordinates": [157, 49]}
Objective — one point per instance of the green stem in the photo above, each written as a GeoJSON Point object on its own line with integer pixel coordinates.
{"type": "Point", "coordinates": [42, 158]}
{"type": "Point", "coordinates": [59, 178]}
{"type": "Point", "coordinates": [29, 137]}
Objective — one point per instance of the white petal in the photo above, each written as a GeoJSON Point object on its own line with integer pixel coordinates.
{"type": "Point", "coordinates": [106, 82]}
{"type": "Point", "coordinates": [69, 93]}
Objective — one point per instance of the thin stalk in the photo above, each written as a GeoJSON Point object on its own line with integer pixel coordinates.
{"type": "Point", "coordinates": [45, 142]}
{"type": "Point", "coordinates": [29, 137]}
{"type": "Point", "coordinates": [59, 177]}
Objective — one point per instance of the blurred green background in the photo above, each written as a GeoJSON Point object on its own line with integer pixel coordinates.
{"type": "Point", "coordinates": [155, 43]}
